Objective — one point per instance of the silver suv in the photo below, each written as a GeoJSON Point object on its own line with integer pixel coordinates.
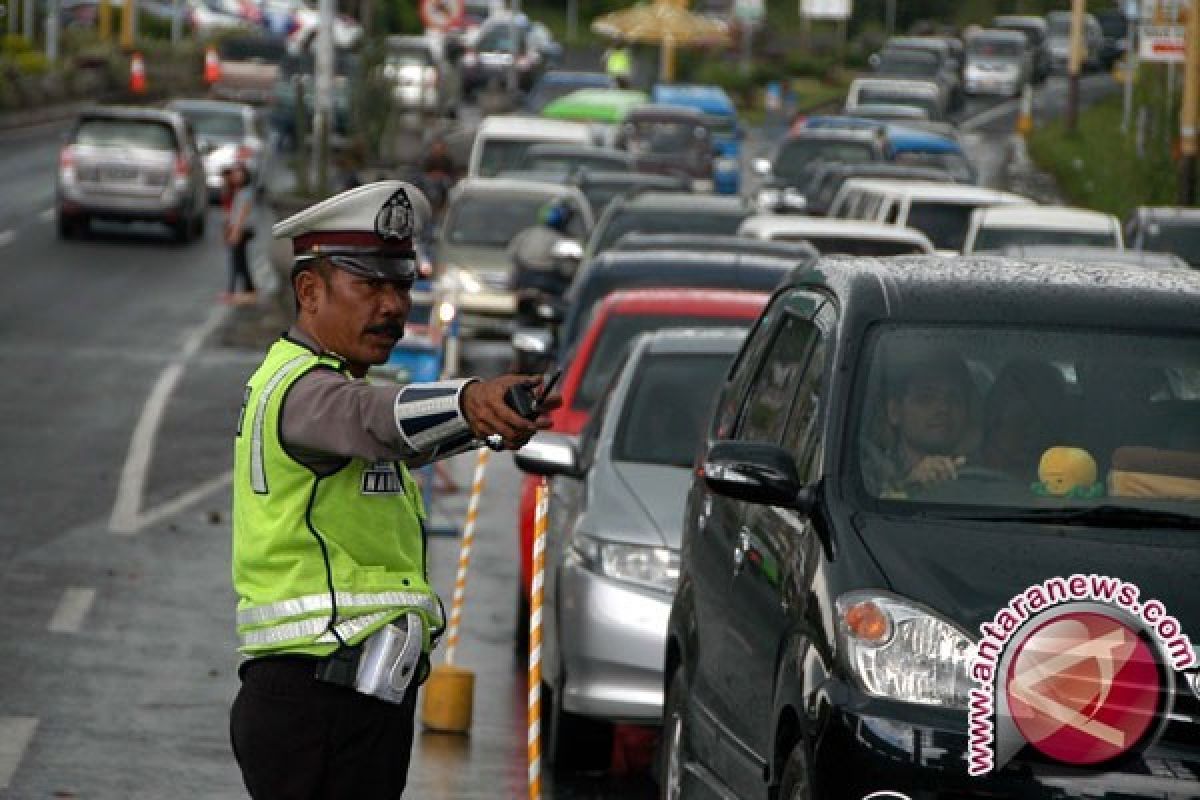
{"type": "Point", "coordinates": [131, 164]}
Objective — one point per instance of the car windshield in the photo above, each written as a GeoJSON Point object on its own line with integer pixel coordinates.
{"type": "Point", "coordinates": [682, 220]}
{"type": "Point", "coordinates": [664, 137]}
{"type": "Point", "coordinates": [1009, 417]}
{"type": "Point", "coordinates": [994, 48]}
{"type": "Point", "coordinates": [492, 219]}
{"type": "Point", "coordinates": [909, 63]}
{"type": "Point", "coordinates": [664, 416]}
{"type": "Point", "coordinates": [1181, 239]}
{"type": "Point", "coordinates": [502, 155]}
{"type": "Point", "coordinates": [125, 133]}
{"type": "Point", "coordinates": [619, 330]}
{"type": "Point", "coordinates": [997, 238]}
{"type": "Point", "coordinates": [798, 156]}
{"type": "Point", "coordinates": [854, 246]}
{"type": "Point", "coordinates": [925, 102]}
{"type": "Point", "coordinates": [944, 223]}
{"type": "Point", "coordinates": [216, 124]}
{"type": "Point", "coordinates": [566, 164]}
{"type": "Point", "coordinates": [1058, 25]}
{"type": "Point", "coordinates": [954, 163]}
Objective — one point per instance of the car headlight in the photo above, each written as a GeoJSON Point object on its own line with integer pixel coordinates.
{"type": "Point", "coordinates": [651, 567]}
{"type": "Point", "coordinates": [457, 279]}
{"type": "Point", "coordinates": [903, 652]}
{"type": "Point", "coordinates": [769, 199]}
{"type": "Point", "coordinates": [726, 164]}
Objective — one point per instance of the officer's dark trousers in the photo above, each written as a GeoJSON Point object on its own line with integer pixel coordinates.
{"type": "Point", "coordinates": [297, 738]}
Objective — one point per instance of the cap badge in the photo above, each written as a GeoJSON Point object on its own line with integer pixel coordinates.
{"type": "Point", "coordinates": [395, 218]}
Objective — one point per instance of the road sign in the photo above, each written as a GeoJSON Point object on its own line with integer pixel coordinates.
{"type": "Point", "coordinates": [1163, 44]}
{"type": "Point", "coordinates": [442, 15]}
{"type": "Point", "coordinates": [751, 11]}
{"type": "Point", "coordinates": [826, 9]}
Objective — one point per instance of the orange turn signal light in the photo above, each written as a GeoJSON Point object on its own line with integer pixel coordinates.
{"type": "Point", "coordinates": [867, 622]}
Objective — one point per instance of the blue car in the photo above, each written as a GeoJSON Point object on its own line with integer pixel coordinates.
{"type": "Point", "coordinates": [918, 148]}
{"type": "Point", "coordinates": [722, 118]}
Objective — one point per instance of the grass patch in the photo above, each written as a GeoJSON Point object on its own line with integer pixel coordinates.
{"type": "Point", "coordinates": [1099, 167]}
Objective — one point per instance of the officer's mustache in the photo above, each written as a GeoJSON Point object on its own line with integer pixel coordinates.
{"type": "Point", "coordinates": [392, 328]}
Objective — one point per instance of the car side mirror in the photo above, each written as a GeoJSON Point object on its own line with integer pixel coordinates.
{"type": "Point", "coordinates": [549, 454]}
{"type": "Point", "coordinates": [756, 472]}
{"type": "Point", "coordinates": [762, 166]}
{"type": "Point", "coordinates": [874, 60]}
{"type": "Point", "coordinates": [533, 349]}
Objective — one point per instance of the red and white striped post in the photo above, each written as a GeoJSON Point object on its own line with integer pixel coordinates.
{"type": "Point", "coordinates": [535, 642]}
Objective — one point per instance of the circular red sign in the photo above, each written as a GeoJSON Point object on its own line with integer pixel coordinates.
{"type": "Point", "coordinates": [442, 15]}
{"type": "Point", "coordinates": [1083, 688]}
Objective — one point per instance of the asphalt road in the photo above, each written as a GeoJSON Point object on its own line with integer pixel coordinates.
{"type": "Point", "coordinates": [116, 420]}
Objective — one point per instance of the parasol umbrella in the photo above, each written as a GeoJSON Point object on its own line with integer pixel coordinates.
{"type": "Point", "coordinates": [665, 22]}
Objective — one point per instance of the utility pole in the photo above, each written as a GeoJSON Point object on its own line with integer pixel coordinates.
{"type": "Point", "coordinates": [1074, 64]}
{"type": "Point", "coordinates": [572, 20]}
{"type": "Point", "coordinates": [128, 24]}
{"type": "Point", "coordinates": [13, 6]}
{"type": "Point", "coordinates": [1191, 99]}
{"type": "Point", "coordinates": [27, 21]}
{"type": "Point", "coordinates": [52, 31]}
{"type": "Point", "coordinates": [1132, 54]}
{"type": "Point", "coordinates": [323, 96]}
{"type": "Point", "coordinates": [176, 21]}
{"type": "Point", "coordinates": [891, 17]}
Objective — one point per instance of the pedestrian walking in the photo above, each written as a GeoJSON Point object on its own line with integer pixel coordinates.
{"type": "Point", "coordinates": [239, 230]}
{"type": "Point", "coordinates": [336, 618]}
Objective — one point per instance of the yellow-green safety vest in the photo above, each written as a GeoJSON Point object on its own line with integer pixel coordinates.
{"type": "Point", "coordinates": [318, 560]}
{"type": "Point", "coordinates": [619, 63]}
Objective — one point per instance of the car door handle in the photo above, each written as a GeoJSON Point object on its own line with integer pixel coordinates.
{"type": "Point", "coordinates": [740, 552]}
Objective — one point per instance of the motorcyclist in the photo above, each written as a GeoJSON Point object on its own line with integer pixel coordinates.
{"type": "Point", "coordinates": [539, 268]}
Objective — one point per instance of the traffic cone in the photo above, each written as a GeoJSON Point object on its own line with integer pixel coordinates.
{"type": "Point", "coordinates": [212, 66]}
{"type": "Point", "coordinates": [137, 74]}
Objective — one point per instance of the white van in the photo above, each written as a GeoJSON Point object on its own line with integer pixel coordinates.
{"type": "Point", "coordinates": [942, 211]}
{"type": "Point", "coordinates": [501, 141]}
{"type": "Point", "coordinates": [997, 228]}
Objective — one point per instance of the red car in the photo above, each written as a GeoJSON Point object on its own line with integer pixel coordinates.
{"type": "Point", "coordinates": [616, 321]}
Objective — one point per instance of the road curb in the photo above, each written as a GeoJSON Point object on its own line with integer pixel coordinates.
{"type": "Point", "coordinates": [32, 118]}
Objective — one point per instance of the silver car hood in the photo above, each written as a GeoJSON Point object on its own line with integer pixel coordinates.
{"type": "Point", "coordinates": [638, 503]}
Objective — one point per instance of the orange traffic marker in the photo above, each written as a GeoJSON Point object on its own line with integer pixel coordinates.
{"type": "Point", "coordinates": [212, 66]}
{"type": "Point", "coordinates": [534, 718]}
{"type": "Point", "coordinates": [137, 74]}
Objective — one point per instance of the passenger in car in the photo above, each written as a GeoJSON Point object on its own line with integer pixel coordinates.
{"type": "Point", "coordinates": [928, 405]}
{"type": "Point", "coordinates": [1023, 416]}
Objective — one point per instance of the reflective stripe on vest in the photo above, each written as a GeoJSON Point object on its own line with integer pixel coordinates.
{"type": "Point", "coordinates": [300, 606]}
{"type": "Point", "coordinates": [258, 471]}
{"type": "Point", "coordinates": [305, 628]}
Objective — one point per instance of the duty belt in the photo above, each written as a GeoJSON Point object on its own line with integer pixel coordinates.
{"type": "Point", "coordinates": [384, 665]}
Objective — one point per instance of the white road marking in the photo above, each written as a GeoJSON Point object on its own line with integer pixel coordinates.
{"type": "Point", "coordinates": [74, 606]}
{"type": "Point", "coordinates": [6, 237]}
{"type": "Point", "coordinates": [15, 734]}
{"type": "Point", "coordinates": [46, 215]}
{"type": "Point", "coordinates": [993, 113]}
{"type": "Point", "coordinates": [126, 514]}
{"type": "Point", "coordinates": [185, 500]}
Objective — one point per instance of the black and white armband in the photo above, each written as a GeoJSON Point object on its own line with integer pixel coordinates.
{"type": "Point", "coordinates": [430, 420]}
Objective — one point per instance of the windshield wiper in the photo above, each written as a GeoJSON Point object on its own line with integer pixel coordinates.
{"type": "Point", "coordinates": [1103, 516]}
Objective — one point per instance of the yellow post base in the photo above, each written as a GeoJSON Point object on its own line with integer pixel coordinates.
{"type": "Point", "coordinates": [1024, 124]}
{"type": "Point", "coordinates": [449, 697]}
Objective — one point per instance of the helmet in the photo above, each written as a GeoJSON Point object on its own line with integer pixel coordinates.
{"type": "Point", "coordinates": [556, 214]}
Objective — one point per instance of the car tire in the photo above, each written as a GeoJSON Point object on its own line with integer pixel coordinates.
{"type": "Point", "coordinates": [182, 228]}
{"type": "Point", "coordinates": [673, 752]}
{"type": "Point", "coordinates": [796, 783]}
{"type": "Point", "coordinates": [573, 743]}
{"type": "Point", "coordinates": [68, 227]}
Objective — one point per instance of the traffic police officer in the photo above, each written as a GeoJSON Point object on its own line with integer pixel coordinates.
{"type": "Point", "coordinates": [335, 613]}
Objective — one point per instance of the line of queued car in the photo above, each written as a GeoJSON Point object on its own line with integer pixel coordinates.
{"type": "Point", "coordinates": [722, 514]}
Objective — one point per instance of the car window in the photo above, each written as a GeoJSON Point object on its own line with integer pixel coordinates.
{"type": "Point", "coordinates": [1030, 418]}
{"type": "Point", "coordinates": [619, 330]}
{"type": "Point", "coordinates": [1180, 238]}
{"type": "Point", "coordinates": [663, 417]}
{"type": "Point", "coordinates": [908, 63]}
{"type": "Point", "coordinates": [954, 163]}
{"type": "Point", "coordinates": [985, 47]}
{"type": "Point", "coordinates": [770, 395]}
{"type": "Point", "coordinates": [857, 246]}
{"type": "Point", "coordinates": [500, 155]}
{"type": "Point", "coordinates": [801, 436]}
{"type": "Point", "coordinates": [491, 219]}
{"type": "Point", "coordinates": [945, 224]}
{"type": "Point", "coordinates": [797, 156]}
{"type": "Point", "coordinates": [683, 220]}
{"type": "Point", "coordinates": [216, 124]}
{"type": "Point", "coordinates": [150, 135]}
{"type": "Point", "coordinates": [998, 238]}
{"type": "Point", "coordinates": [663, 137]}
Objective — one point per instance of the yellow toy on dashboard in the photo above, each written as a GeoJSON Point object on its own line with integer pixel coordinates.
{"type": "Point", "coordinates": [1068, 472]}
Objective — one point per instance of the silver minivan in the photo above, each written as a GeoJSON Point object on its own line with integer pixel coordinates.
{"type": "Point", "coordinates": [998, 62]}
{"type": "Point", "coordinates": [131, 164]}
